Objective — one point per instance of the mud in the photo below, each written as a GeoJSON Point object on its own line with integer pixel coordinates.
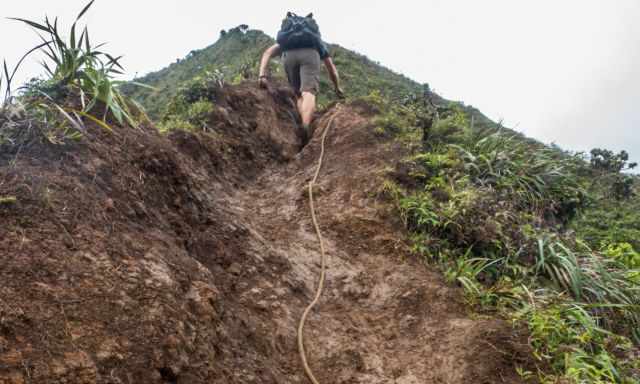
{"type": "Point", "coordinates": [138, 258]}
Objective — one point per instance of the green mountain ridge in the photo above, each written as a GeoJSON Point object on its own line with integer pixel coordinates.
{"type": "Point", "coordinates": [236, 55]}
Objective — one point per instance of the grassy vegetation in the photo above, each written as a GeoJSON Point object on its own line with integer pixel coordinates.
{"type": "Point", "coordinates": [613, 216]}
{"type": "Point", "coordinates": [79, 85]}
{"type": "Point", "coordinates": [193, 102]}
{"type": "Point", "coordinates": [496, 213]}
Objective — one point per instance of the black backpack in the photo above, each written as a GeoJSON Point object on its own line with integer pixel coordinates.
{"type": "Point", "coordinates": [299, 32]}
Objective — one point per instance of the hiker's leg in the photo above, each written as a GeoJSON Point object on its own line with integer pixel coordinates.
{"type": "Point", "coordinates": [306, 107]}
{"type": "Point", "coordinates": [309, 83]}
{"type": "Point", "coordinates": [299, 104]}
{"type": "Point", "coordinates": [292, 69]}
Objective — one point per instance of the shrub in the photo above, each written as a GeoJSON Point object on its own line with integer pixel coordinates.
{"type": "Point", "coordinates": [450, 126]}
{"type": "Point", "coordinates": [534, 177]}
{"type": "Point", "coordinates": [191, 106]}
{"type": "Point", "coordinates": [199, 112]}
{"type": "Point", "coordinates": [609, 222]}
{"type": "Point", "coordinates": [622, 187]}
{"type": "Point", "coordinates": [569, 337]}
{"type": "Point", "coordinates": [606, 160]}
{"type": "Point", "coordinates": [203, 87]}
{"type": "Point", "coordinates": [175, 123]}
{"type": "Point", "coordinates": [623, 253]}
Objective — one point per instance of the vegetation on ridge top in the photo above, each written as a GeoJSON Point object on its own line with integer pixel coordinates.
{"type": "Point", "coordinates": [236, 56]}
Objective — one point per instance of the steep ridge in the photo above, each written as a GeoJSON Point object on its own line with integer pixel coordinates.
{"type": "Point", "coordinates": [236, 56]}
{"type": "Point", "coordinates": [139, 258]}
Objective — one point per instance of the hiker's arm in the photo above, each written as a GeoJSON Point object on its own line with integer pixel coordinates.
{"type": "Point", "coordinates": [333, 74]}
{"type": "Point", "coordinates": [272, 51]}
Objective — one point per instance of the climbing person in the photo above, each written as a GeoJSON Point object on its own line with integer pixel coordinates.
{"type": "Point", "coordinates": [302, 49]}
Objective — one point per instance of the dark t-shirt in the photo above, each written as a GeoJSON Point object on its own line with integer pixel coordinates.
{"type": "Point", "coordinates": [322, 50]}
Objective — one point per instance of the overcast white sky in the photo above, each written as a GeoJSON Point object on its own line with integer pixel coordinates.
{"type": "Point", "coordinates": [560, 71]}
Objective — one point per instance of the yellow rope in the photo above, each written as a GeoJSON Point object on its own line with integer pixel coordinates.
{"type": "Point", "coordinates": [303, 355]}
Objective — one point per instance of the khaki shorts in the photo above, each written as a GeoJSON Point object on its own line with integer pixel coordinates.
{"type": "Point", "coordinates": [303, 69]}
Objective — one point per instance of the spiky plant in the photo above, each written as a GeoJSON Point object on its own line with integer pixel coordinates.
{"type": "Point", "coordinates": [537, 177]}
{"type": "Point", "coordinates": [79, 66]}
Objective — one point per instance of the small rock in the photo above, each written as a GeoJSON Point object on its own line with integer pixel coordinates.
{"type": "Point", "coordinates": [235, 269]}
{"type": "Point", "coordinates": [256, 291]}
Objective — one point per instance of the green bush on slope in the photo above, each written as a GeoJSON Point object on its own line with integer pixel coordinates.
{"type": "Point", "coordinates": [493, 211]}
{"type": "Point", "coordinates": [613, 216]}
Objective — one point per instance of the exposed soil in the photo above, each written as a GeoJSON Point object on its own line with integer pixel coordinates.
{"type": "Point", "coordinates": [137, 258]}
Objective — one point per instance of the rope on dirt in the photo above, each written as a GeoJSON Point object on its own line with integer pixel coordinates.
{"type": "Point", "coordinates": [303, 319]}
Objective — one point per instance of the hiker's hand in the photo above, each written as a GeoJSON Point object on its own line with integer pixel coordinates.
{"type": "Point", "coordinates": [339, 92]}
{"type": "Point", "coordinates": [263, 82]}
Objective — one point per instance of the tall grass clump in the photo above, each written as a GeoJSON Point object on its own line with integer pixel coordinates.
{"type": "Point", "coordinates": [79, 84]}
{"type": "Point", "coordinates": [535, 176]}
{"type": "Point", "coordinates": [78, 67]}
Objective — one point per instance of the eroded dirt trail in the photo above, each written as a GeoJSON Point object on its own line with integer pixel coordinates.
{"type": "Point", "coordinates": [384, 317]}
{"type": "Point", "coordinates": [139, 258]}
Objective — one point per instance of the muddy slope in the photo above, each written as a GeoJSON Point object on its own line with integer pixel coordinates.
{"type": "Point", "coordinates": [137, 258]}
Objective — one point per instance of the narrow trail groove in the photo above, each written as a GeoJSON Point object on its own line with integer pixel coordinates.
{"type": "Point", "coordinates": [386, 318]}
{"type": "Point", "coordinates": [323, 268]}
